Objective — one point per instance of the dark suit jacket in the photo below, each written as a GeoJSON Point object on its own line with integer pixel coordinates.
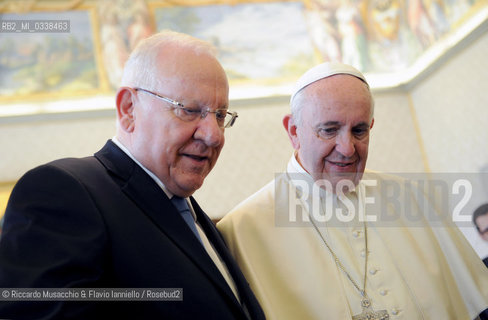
{"type": "Point", "coordinates": [102, 222]}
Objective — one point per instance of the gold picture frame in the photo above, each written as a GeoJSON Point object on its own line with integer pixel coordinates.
{"type": "Point", "coordinates": [47, 66]}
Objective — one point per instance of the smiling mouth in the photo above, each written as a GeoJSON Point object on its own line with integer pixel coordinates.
{"type": "Point", "coordinates": [195, 157]}
{"type": "Point", "coordinates": [341, 164]}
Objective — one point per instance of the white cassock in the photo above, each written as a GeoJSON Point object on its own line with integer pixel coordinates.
{"type": "Point", "coordinates": [415, 270]}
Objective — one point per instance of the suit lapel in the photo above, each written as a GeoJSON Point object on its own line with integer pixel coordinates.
{"type": "Point", "coordinates": [154, 203]}
{"type": "Point", "coordinates": [245, 292]}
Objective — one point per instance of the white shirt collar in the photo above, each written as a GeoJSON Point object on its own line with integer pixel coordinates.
{"type": "Point", "coordinates": [295, 167]}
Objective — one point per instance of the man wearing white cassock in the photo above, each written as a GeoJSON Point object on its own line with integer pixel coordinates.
{"type": "Point", "coordinates": [325, 241]}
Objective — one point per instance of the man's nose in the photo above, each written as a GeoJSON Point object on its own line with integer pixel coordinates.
{"type": "Point", "coordinates": [209, 131]}
{"type": "Point", "coordinates": [345, 145]}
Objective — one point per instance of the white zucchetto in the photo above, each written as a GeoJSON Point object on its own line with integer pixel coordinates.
{"type": "Point", "coordinates": [322, 71]}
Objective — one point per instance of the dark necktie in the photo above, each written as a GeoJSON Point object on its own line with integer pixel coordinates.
{"type": "Point", "coordinates": [185, 212]}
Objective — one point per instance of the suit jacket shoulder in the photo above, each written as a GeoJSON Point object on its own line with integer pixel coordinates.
{"type": "Point", "coordinates": [103, 222]}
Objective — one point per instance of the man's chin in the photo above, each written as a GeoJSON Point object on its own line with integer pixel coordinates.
{"type": "Point", "coordinates": [333, 182]}
{"type": "Point", "coordinates": [190, 183]}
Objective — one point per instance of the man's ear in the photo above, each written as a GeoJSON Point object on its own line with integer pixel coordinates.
{"type": "Point", "coordinates": [371, 126]}
{"type": "Point", "coordinates": [291, 129]}
{"type": "Point", "coordinates": [125, 108]}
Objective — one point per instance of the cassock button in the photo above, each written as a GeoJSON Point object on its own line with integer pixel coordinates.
{"type": "Point", "coordinates": [373, 271]}
{"type": "Point", "coordinates": [395, 312]}
{"type": "Point", "coordinates": [383, 292]}
{"type": "Point", "coordinates": [356, 233]}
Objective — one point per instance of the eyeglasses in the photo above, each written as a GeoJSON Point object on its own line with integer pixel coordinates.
{"type": "Point", "coordinates": [225, 118]}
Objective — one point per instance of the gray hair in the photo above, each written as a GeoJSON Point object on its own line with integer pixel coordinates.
{"type": "Point", "coordinates": [139, 68]}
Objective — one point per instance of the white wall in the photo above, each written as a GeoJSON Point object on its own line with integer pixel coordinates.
{"type": "Point", "coordinates": [29, 143]}
{"type": "Point", "coordinates": [452, 111]}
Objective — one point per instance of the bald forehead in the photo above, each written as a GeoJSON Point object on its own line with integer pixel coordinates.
{"type": "Point", "coordinates": [336, 91]}
{"type": "Point", "coordinates": [339, 85]}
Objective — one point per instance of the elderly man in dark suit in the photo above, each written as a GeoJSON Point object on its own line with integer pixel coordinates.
{"type": "Point", "coordinates": [125, 218]}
